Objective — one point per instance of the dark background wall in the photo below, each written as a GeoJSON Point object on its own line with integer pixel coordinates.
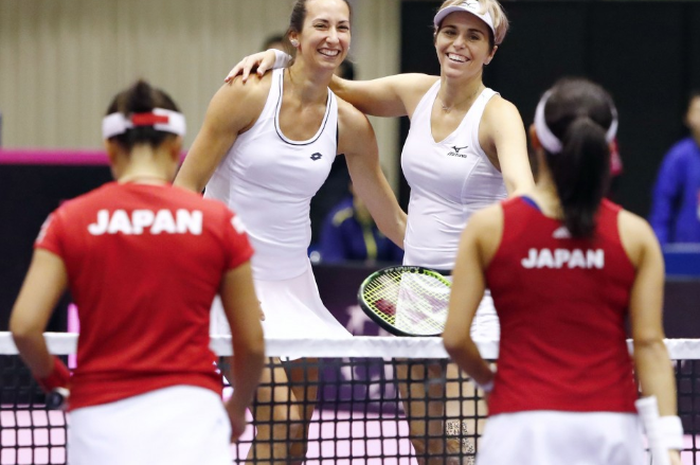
{"type": "Point", "coordinates": [647, 54]}
{"type": "Point", "coordinates": [28, 193]}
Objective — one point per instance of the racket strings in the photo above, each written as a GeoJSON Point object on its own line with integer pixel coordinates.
{"type": "Point", "coordinates": [414, 302]}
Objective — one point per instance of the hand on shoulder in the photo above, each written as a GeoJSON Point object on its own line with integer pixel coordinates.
{"type": "Point", "coordinates": [238, 104]}
{"type": "Point", "coordinates": [256, 87]}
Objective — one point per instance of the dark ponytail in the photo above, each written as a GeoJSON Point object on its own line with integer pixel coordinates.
{"type": "Point", "coordinates": [579, 114]}
{"type": "Point", "coordinates": [141, 98]}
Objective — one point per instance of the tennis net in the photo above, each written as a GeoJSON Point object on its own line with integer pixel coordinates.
{"type": "Point", "coordinates": [366, 385]}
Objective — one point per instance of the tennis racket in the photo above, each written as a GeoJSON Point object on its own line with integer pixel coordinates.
{"type": "Point", "coordinates": [406, 300]}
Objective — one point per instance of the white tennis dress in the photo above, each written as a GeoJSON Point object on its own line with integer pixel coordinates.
{"type": "Point", "coordinates": [268, 180]}
{"type": "Point", "coordinates": [449, 180]}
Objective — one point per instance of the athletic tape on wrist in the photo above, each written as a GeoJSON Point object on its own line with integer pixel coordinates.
{"type": "Point", "coordinates": [281, 59]}
{"type": "Point", "coordinates": [671, 431]}
{"type": "Point", "coordinates": [58, 378]}
{"type": "Point", "coordinates": [488, 387]}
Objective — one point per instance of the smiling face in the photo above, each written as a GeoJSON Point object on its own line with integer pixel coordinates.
{"type": "Point", "coordinates": [462, 45]}
{"type": "Point", "coordinates": [325, 36]}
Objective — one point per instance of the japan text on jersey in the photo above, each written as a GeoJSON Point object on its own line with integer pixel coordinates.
{"type": "Point", "coordinates": [147, 221]}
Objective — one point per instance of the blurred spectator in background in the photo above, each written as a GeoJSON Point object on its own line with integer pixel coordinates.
{"type": "Point", "coordinates": [350, 234]}
{"type": "Point", "coordinates": [675, 211]}
{"type": "Point", "coordinates": [335, 188]}
{"type": "Point", "coordinates": [275, 41]}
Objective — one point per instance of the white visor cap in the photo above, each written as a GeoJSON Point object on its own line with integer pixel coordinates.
{"type": "Point", "coordinates": [470, 6]}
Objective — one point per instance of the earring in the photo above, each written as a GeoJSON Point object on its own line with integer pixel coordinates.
{"type": "Point", "coordinates": [294, 42]}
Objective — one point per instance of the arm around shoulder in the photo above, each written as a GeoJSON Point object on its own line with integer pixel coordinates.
{"type": "Point", "coordinates": [389, 96]}
{"type": "Point", "coordinates": [502, 135]}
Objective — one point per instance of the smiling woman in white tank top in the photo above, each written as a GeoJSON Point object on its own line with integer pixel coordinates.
{"type": "Point", "coordinates": [466, 149]}
{"type": "Point", "coordinates": [265, 148]}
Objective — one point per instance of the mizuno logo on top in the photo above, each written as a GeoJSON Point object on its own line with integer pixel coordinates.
{"type": "Point", "coordinates": [455, 152]}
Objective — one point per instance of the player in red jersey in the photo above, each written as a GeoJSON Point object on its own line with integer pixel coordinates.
{"type": "Point", "coordinates": [143, 261]}
{"type": "Point", "coordinates": [566, 268]}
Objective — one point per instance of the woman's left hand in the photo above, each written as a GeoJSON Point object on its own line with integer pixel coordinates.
{"type": "Point", "coordinates": [261, 62]}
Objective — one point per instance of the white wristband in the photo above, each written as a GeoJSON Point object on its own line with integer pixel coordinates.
{"type": "Point", "coordinates": [488, 387]}
{"type": "Point", "coordinates": [671, 431]}
{"type": "Point", "coordinates": [281, 59]}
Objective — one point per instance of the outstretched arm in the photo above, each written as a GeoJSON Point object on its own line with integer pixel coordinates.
{"type": "Point", "coordinates": [389, 96]}
{"type": "Point", "coordinates": [502, 135]}
{"type": "Point", "coordinates": [358, 143]}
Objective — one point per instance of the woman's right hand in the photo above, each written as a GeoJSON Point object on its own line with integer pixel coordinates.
{"type": "Point", "coordinates": [236, 415]}
{"type": "Point", "coordinates": [261, 61]}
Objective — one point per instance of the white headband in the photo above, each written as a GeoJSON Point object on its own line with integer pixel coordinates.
{"type": "Point", "coordinates": [470, 6]}
{"type": "Point", "coordinates": [548, 140]}
{"type": "Point", "coordinates": [160, 118]}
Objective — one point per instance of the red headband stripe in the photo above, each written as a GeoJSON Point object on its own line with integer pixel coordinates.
{"type": "Point", "coordinates": [148, 119]}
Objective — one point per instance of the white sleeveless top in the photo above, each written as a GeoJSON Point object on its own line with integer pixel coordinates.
{"type": "Point", "coordinates": [268, 180]}
{"type": "Point", "coordinates": [449, 181]}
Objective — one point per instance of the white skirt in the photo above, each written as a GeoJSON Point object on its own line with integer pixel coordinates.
{"type": "Point", "coordinates": [485, 326]}
{"type": "Point", "coordinates": [557, 438]}
{"type": "Point", "coordinates": [292, 308]}
{"type": "Point", "coordinates": [179, 425]}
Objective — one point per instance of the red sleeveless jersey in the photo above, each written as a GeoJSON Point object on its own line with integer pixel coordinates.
{"type": "Point", "coordinates": [144, 263]}
{"type": "Point", "coordinates": [562, 305]}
